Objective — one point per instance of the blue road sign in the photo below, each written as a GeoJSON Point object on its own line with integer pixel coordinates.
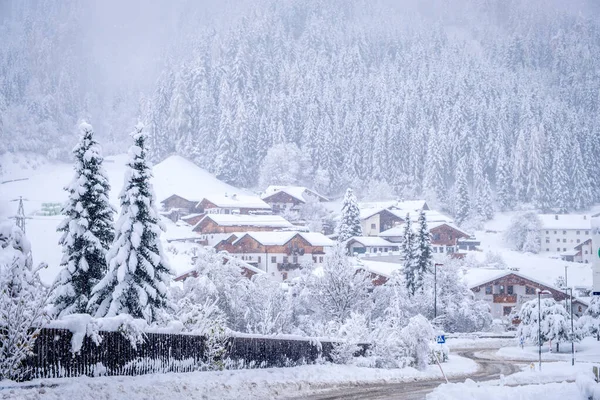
{"type": "Point", "coordinates": [441, 339]}
{"type": "Point", "coordinates": [595, 293]}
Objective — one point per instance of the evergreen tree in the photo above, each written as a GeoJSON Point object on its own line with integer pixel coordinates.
{"type": "Point", "coordinates": [560, 180]}
{"type": "Point", "coordinates": [503, 184]}
{"type": "Point", "coordinates": [87, 230]}
{"type": "Point", "coordinates": [423, 252]}
{"type": "Point", "coordinates": [409, 262]}
{"type": "Point", "coordinates": [350, 224]}
{"type": "Point", "coordinates": [138, 276]}
{"type": "Point", "coordinates": [461, 194]}
{"type": "Point", "coordinates": [581, 188]}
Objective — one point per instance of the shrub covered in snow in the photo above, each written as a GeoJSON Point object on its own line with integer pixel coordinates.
{"type": "Point", "coordinates": [22, 302]}
{"type": "Point", "coordinates": [589, 323]}
{"type": "Point", "coordinates": [554, 321]}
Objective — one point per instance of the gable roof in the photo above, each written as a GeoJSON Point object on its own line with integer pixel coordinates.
{"type": "Point", "coordinates": [565, 221]}
{"type": "Point", "coordinates": [229, 259]}
{"type": "Point", "coordinates": [580, 245]}
{"type": "Point", "coordinates": [511, 272]}
{"type": "Point", "coordinates": [236, 201]}
{"type": "Point", "coordinates": [281, 238]}
{"type": "Point", "coordinates": [434, 225]}
{"type": "Point", "coordinates": [272, 221]}
{"type": "Point", "coordinates": [371, 241]}
{"type": "Point", "coordinates": [297, 192]}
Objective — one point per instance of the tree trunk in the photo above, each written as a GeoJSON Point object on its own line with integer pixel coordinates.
{"type": "Point", "coordinates": [557, 347]}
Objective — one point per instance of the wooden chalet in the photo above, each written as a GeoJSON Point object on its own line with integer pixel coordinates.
{"type": "Point", "coordinates": [371, 245]}
{"type": "Point", "coordinates": [280, 254]}
{"type": "Point", "coordinates": [230, 223]}
{"type": "Point", "coordinates": [183, 205]}
{"type": "Point", "coordinates": [233, 204]}
{"type": "Point", "coordinates": [375, 221]}
{"type": "Point", "coordinates": [290, 198]}
{"type": "Point", "coordinates": [506, 293]}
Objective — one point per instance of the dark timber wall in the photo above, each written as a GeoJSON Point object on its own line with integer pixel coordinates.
{"type": "Point", "coordinates": [160, 352]}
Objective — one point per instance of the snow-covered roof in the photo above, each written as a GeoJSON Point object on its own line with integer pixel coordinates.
{"type": "Point", "coordinates": [411, 205]}
{"type": "Point", "coordinates": [434, 225]}
{"type": "Point", "coordinates": [385, 269]}
{"type": "Point", "coordinates": [179, 176]}
{"type": "Point", "coordinates": [396, 231]}
{"type": "Point", "coordinates": [565, 221]}
{"type": "Point", "coordinates": [237, 201]}
{"type": "Point", "coordinates": [430, 216]}
{"type": "Point", "coordinates": [369, 212]}
{"type": "Point", "coordinates": [372, 241]}
{"type": "Point", "coordinates": [190, 216]}
{"type": "Point", "coordinates": [506, 273]}
{"type": "Point", "coordinates": [281, 238]}
{"type": "Point", "coordinates": [297, 192]}
{"type": "Point", "coordinates": [569, 253]}
{"type": "Point", "coordinates": [406, 206]}
{"type": "Point", "coordinates": [273, 221]}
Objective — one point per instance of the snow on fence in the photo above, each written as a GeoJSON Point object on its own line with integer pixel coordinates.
{"type": "Point", "coordinates": [115, 354]}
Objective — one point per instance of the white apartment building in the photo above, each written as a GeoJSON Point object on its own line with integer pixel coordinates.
{"type": "Point", "coordinates": [561, 233]}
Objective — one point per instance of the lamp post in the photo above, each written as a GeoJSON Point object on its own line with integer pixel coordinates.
{"type": "Point", "coordinates": [540, 292]}
{"type": "Point", "coordinates": [435, 289]}
{"type": "Point", "coordinates": [572, 331]}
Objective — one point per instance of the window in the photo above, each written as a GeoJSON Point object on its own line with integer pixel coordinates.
{"type": "Point", "coordinates": [321, 259]}
{"type": "Point", "coordinates": [529, 290]}
{"type": "Point", "coordinates": [547, 232]}
{"type": "Point", "coordinates": [547, 240]}
{"type": "Point", "coordinates": [547, 249]}
{"type": "Point", "coordinates": [295, 259]}
{"type": "Point", "coordinates": [284, 276]}
{"type": "Point", "coordinates": [555, 232]}
{"type": "Point", "coordinates": [435, 249]}
{"type": "Point", "coordinates": [557, 240]}
{"type": "Point", "coordinates": [506, 311]}
{"type": "Point", "coordinates": [501, 289]}
{"type": "Point", "coordinates": [578, 240]}
{"type": "Point", "coordinates": [564, 232]}
{"type": "Point", "coordinates": [259, 259]}
{"type": "Point", "coordinates": [564, 240]}
{"type": "Point", "coordinates": [285, 259]}
{"type": "Point", "coordinates": [315, 259]}
{"type": "Point", "coordinates": [273, 259]}
{"type": "Point", "coordinates": [488, 290]}
{"type": "Point", "coordinates": [373, 226]}
{"type": "Point", "coordinates": [564, 249]}
{"type": "Point", "coordinates": [558, 249]}
{"type": "Point", "coordinates": [509, 289]}
{"type": "Point", "coordinates": [586, 252]}
{"type": "Point", "coordinates": [577, 233]}
{"type": "Point", "coordinates": [385, 249]}
{"type": "Point", "coordinates": [587, 232]}
{"type": "Point", "coordinates": [441, 249]}
{"type": "Point", "coordinates": [436, 236]}
{"type": "Point", "coordinates": [579, 309]}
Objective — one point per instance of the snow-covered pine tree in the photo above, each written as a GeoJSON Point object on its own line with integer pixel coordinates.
{"type": "Point", "coordinates": [423, 252]}
{"type": "Point", "coordinates": [138, 274]}
{"type": "Point", "coordinates": [87, 230]}
{"type": "Point", "coordinates": [461, 194]}
{"type": "Point", "coordinates": [503, 183]}
{"type": "Point", "coordinates": [560, 179]}
{"type": "Point", "coordinates": [409, 257]}
{"type": "Point", "coordinates": [350, 225]}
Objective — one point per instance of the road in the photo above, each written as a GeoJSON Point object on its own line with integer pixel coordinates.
{"type": "Point", "coordinates": [417, 390]}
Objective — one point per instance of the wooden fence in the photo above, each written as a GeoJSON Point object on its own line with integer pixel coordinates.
{"type": "Point", "coordinates": [160, 352]}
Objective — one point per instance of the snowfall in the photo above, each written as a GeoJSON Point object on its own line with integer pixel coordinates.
{"type": "Point", "coordinates": [175, 175]}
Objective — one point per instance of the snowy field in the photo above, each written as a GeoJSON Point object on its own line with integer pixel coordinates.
{"type": "Point", "coordinates": [588, 350]}
{"type": "Point", "coordinates": [270, 383]}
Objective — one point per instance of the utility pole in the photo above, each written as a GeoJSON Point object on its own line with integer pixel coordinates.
{"type": "Point", "coordinates": [20, 217]}
{"type": "Point", "coordinates": [572, 331]}
{"type": "Point", "coordinates": [435, 265]}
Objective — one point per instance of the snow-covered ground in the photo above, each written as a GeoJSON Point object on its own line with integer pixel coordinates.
{"type": "Point", "coordinates": [45, 183]}
{"type": "Point", "coordinates": [266, 383]}
{"type": "Point", "coordinates": [588, 350]}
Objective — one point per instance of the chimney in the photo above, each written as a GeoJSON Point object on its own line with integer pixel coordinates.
{"type": "Point", "coordinates": [234, 196]}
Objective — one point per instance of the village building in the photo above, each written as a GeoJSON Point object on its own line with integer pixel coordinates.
{"type": "Point", "coordinates": [561, 233]}
{"type": "Point", "coordinates": [279, 254]}
{"type": "Point", "coordinates": [375, 221]}
{"type": "Point", "coordinates": [181, 205]}
{"type": "Point", "coordinates": [233, 204]}
{"type": "Point", "coordinates": [508, 291]}
{"type": "Point", "coordinates": [229, 223]}
{"type": "Point", "coordinates": [289, 199]}
{"type": "Point", "coordinates": [445, 237]}
{"type": "Point", "coordinates": [370, 245]}
{"type": "Point", "coordinates": [582, 253]}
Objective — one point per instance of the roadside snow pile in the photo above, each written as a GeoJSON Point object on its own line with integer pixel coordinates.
{"type": "Point", "coordinates": [589, 388]}
{"type": "Point", "coordinates": [265, 383]}
{"type": "Point", "coordinates": [470, 390]}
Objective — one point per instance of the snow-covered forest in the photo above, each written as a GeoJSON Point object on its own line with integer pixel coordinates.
{"type": "Point", "coordinates": [412, 93]}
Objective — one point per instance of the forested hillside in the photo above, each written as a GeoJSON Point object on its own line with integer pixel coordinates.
{"type": "Point", "coordinates": [464, 102]}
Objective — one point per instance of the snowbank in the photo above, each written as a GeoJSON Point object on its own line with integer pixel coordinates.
{"type": "Point", "coordinates": [474, 391]}
{"type": "Point", "coordinates": [266, 383]}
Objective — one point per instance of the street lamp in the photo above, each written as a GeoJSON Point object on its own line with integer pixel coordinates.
{"type": "Point", "coordinates": [435, 289]}
{"type": "Point", "coordinates": [540, 292]}
{"type": "Point", "coordinates": [572, 331]}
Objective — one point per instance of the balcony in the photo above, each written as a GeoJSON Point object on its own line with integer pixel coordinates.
{"type": "Point", "coordinates": [287, 266]}
{"type": "Point", "coordinates": [505, 298]}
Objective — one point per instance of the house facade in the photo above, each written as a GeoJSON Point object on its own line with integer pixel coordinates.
{"type": "Point", "coordinates": [246, 269]}
{"type": "Point", "coordinates": [446, 238]}
{"type": "Point", "coordinates": [230, 223]}
{"type": "Point", "coordinates": [233, 204]}
{"type": "Point", "coordinates": [289, 199]}
{"type": "Point", "coordinates": [280, 254]}
{"type": "Point", "coordinates": [375, 221]}
{"type": "Point", "coordinates": [179, 203]}
{"type": "Point", "coordinates": [561, 233]}
{"type": "Point", "coordinates": [507, 292]}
